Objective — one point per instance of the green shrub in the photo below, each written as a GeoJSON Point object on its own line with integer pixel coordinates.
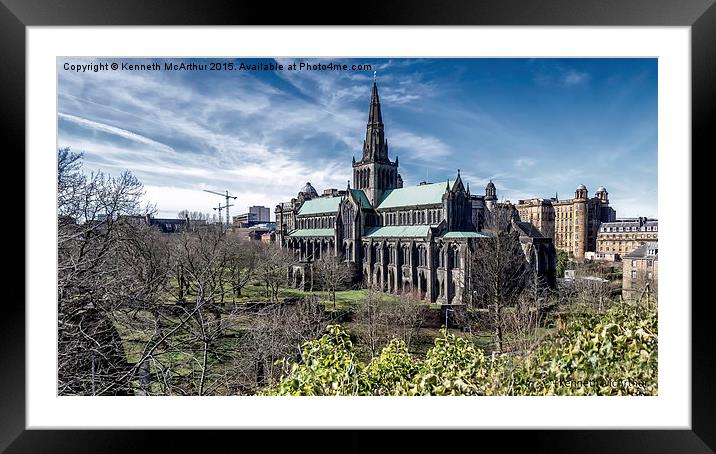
{"type": "Point", "coordinates": [611, 354]}
{"type": "Point", "coordinates": [329, 368]}
{"type": "Point", "coordinates": [614, 353]}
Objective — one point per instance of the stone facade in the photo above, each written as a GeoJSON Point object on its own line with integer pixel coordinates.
{"type": "Point", "coordinates": [640, 270]}
{"type": "Point", "coordinates": [416, 238]}
{"type": "Point", "coordinates": [625, 235]}
{"type": "Point", "coordinates": [573, 224]}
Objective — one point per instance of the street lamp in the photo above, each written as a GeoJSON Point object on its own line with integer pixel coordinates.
{"type": "Point", "coordinates": [446, 317]}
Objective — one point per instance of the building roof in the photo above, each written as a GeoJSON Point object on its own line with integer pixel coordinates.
{"type": "Point", "coordinates": [359, 195]}
{"type": "Point", "coordinates": [311, 232]}
{"type": "Point", "coordinates": [320, 205]}
{"type": "Point", "coordinates": [528, 229]}
{"type": "Point", "coordinates": [399, 231]}
{"type": "Point", "coordinates": [581, 186]}
{"type": "Point", "coordinates": [648, 250]}
{"type": "Point", "coordinates": [309, 189]}
{"type": "Point", "coordinates": [426, 194]}
{"type": "Point", "coordinates": [467, 234]}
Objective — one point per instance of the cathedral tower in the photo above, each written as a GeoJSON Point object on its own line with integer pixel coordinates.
{"type": "Point", "coordinates": [375, 173]}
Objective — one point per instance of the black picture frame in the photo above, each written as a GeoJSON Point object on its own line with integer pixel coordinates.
{"type": "Point", "coordinates": [700, 15]}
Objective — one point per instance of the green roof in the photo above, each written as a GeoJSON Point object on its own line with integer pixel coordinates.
{"type": "Point", "coordinates": [312, 232]}
{"type": "Point", "coordinates": [467, 234]}
{"type": "Point", "coordinates": [359, 195]}
{"type": "Point", "coordinates": [320, 205]}
{"type": "Point", "coordinates": [425, 194]}
{"type": "Point", "coordinates": [399, 231]}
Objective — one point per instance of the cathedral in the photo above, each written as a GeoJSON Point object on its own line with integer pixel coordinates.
{"type": "Point", "coordinates": [401, 238]}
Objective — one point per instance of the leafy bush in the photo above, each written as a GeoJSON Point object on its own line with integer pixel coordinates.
{"type": "Point", "coordinates": [611, 354]}
{"type": "Point", "coordinates": [390, 372]}
{"type": "Point", "coordinates": [452, 367]}
{"type": "Point", "coordinates": [562, 261]}
{"type": "Point", "coordinates": [614, 353]}
{"type": "Point", "coordinates": [329, 368]}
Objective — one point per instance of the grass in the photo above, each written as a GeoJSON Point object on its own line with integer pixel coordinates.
{"type": "Point", "coordinates": [345, 299]}
{"type": "Point", "coordinates": [136, 329]}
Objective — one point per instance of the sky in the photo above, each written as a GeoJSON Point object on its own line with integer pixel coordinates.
{"type": "Point", "coordinates": [536, 127]}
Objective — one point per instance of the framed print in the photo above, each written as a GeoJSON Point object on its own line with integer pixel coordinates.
{"type": "Point", "coordinates": [441, 218]}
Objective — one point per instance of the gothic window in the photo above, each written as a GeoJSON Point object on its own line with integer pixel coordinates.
{"type": "Point", "coordinates": [456, 257]}
{"type": "Point", "coordinates": [348, 221]}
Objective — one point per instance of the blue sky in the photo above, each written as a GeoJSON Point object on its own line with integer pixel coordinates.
{"type": "Point", "coordinates": [536, 127]}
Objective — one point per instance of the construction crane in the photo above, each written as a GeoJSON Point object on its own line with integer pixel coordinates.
{"type": "Point", "coordinates": [221, 207]}
{"type": "Point", "coordinates": [227, 196]}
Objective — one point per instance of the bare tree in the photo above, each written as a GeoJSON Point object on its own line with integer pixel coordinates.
{"type": "Point", "coordinates": [404, 317]}
{"type": "Point", "coordinates": [274, 263]}
{"type": "Point", "coordinates": [370, 318]}
{"type": "Point", "coordinates": [331, 273]}
{"type": "Point", "coordinates": [91, 209]}
{"type": "Point", "coordinates": [498, 267]}
{"type": "Point", "coordinates": [243, 261]}
{"type": "Point", "coordinates": [276, 336]}
{"type": "Point", "coordinates": [523, 320]}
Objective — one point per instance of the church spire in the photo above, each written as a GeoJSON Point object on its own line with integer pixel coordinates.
{"type": "Point", "coordinates": [375, 147]}
{"type": "Point", "coordinates": [374, 116]}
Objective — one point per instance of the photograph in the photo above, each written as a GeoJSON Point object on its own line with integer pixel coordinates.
{"type": "Point", "coordinates": [357, 226]}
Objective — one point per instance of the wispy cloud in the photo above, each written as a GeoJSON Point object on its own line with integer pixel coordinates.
{"type": "Point", "coordinates": [420, 147]}
{"type": "Point", "coordinates": [119, 132]}
{"type": "Point", "coordinates": [523, 163]}
{"type": "Point", "coordinates": [263, 135]}
{"type": "Point", "coordinates": [573, 77]}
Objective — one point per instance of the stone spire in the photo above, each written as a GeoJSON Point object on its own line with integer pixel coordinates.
{"type": "Point", "coordinates": [375, 147]}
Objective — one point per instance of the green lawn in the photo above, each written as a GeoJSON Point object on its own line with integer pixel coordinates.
{"type": "Point", "coordinates": [345, 299]}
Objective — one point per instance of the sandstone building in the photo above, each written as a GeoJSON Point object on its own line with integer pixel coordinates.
{"type": "Point", "coordinates": [640, 269]}
{"type": "Point", "coordinates": [625, 235]}
{"type": "Point", "coordinates": [402, 238]}
{"type": "Point", "coordinates": [573, 224]}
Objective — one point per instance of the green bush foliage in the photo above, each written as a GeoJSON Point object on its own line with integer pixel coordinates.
{"type": "Point", "coordinates": [611, 354]}
{"type": "Point", "coordinates": [562, 261]}
{"type": "Point", "coordinates": [614, 353]}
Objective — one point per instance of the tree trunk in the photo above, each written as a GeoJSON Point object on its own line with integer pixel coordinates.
{"type": "Point", "coordinates": [498, 328]}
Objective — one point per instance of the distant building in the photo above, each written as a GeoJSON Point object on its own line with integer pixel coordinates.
{"type": "Point", "coordinates": [602, 256]}
{"type": "Point", "coordinates": [641, 271]}
{"type": "Point", "coordinates": [264, 232]}
{"type": "Point", "coordinates": [261, 213]}
{"type": "Point", "coordinates": [572, 223]}
{"type": "Point", "coordinates": [244, 220]}
{"type": "Point", "coordinates": [625, 235]}
{"type": "Point", "coordinates": [256, 215]}
{"type": "Point", "coordinates": [333, 192]}
{"type": "Point", "coordinates": [166, 225]}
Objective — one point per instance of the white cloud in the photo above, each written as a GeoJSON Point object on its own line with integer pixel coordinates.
{"type": "Point", "coordinates": [417, 147]}
{"type": "Point", "coordinates": [573, 77]}
{"type": "Point", "coordinates": [113, 130]}
{"type": "Point", "coordinates": [523, 163]}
